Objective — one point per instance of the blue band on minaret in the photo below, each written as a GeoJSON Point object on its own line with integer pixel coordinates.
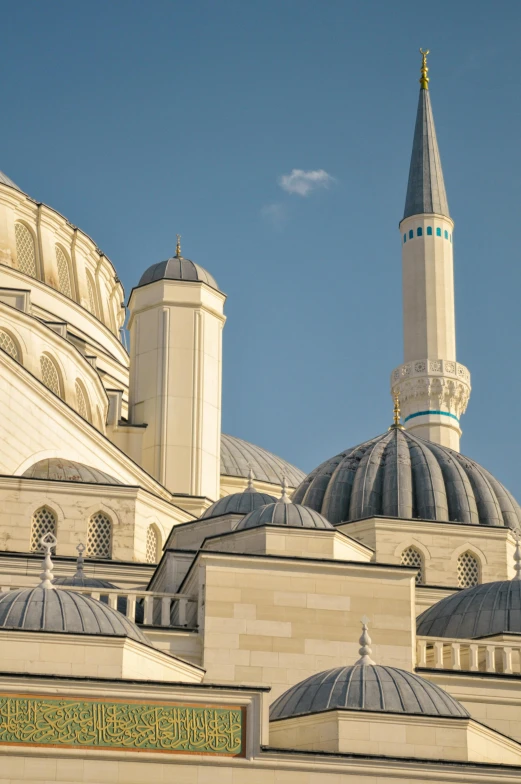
{"type": "Point", "coordinates": [426, 413]}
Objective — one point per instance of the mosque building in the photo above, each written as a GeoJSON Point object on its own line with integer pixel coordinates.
{"type": "Point", "coordinates": [179, 605]}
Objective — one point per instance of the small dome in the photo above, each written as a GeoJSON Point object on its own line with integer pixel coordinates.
{"type": "Point", "coordinates": [284, 513]}
{"type": "Point", "coordinates": [366, 688]}
{"type": "Point", "coordinates": [238, 456]}
{"type": "Point", "coordinates": [81, 581]}
{"type": "Point", "coordinates": [58, 468]}
{"type": "Point", "coordinates": [177, 268]}
{"type": "Point", "coordinates": [491, 608]}
{"type": "Point", "coordinates": [60, 610]}
{"type": "Point", "coordinates": [398, 474]}
{"type": "Point", "coordinates": [238, 503]}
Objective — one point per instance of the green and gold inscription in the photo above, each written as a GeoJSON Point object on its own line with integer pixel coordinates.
{"type": "Point", "coordinates": [46, 721]}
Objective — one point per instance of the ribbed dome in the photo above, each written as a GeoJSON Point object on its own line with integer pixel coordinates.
{"type": "Point", "coordinates": [58, 468]}
{"type": "Point", "coordinates": [238, 503]}
{"type": "Point", "coordinates": [238, 456]}
{"type": "Point", "coordinates": [60, 610]}
{"type": "Point", "coordinates": [284, 513]}
{"type": "Point", "coordinates": [177, 268]}
{"type": "Point", "coordinates": [80, 580]}
{"type": "Point", "coordinates": [398, 474]}
{"type": "Point", "coordinates": [367, 688]}
{"type": "Point", "coordinates": [491, 608]}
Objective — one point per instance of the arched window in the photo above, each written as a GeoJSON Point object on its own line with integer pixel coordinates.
{"type": "Point", "coordinates": [64, 272]}
{"type": "Point", "coordinates": [99, 536]}
{"type": "Point", "coordinates": [429, 231]}
{"type": "Point", "coordinates": [405, 237]}
{"type": "Point", "coordinates": [412, 557]}
{"type": "Point", "coordinates": [468, 570]}
{"type": "Point", "coordinates": [446, 233]}
{"type": "Point", "coordinates": [411, 234]}
{"type": "Point", "coordinates": [8, 344]}
{"type": "Point", "coordinates": [82, 401]}
{"type": "Point", "coordinates": [25, 252]}
{"type": "Point", "coordinates": [44, 522]}
{"type": "Point", "coordinates": [50, 375]}
{"type": "Point", "coordinates": [92, 295]}
{"type": "Point", "coordinates": [438, 232]}
{"type": "Point", "coordinates": [419, 231]}
{"type": "Point", "coordinates": [152, 549]}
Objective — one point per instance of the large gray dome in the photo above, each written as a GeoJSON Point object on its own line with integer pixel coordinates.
{"type": "Point", "coordinates": [491, 608]}
{"type": "Point", "coordinates": [63, 470]}
{"type": "Point", "coordinates": [177, 268]}
{"type": "Point", "coordinates": [238, 503]}
{"type": "Point", "coordinates": [284, 513]}
{"type": "Point", "coordinates": [368, 688]}
{"type": "Point", "coordinates": [398, 474]}
{"type": "Point", "coordinates": [60, 610]}
{"type": "Point", "coordinates": [238, 456]}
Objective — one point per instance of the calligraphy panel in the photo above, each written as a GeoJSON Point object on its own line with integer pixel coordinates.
{"type": "Point", "coordinates": [165, 727]}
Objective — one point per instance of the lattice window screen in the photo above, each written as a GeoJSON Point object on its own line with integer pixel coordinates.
{"type": "Point", "coordinates": [92, 298]}
{"type": "Point", "coordinates": [64, 275]}
{"type": "Point", "coordinates": [99, 536]}
{"type": "Point", "coordinates": [50, 376]}
{"type": "Point", "coordinates": [83, 408]}
{"type": "Point", "coordinates": [8, 345]}
{"type": "Point", "coordinates": [25, 253]}
{"type": "Point", "coordinates": [468, 570]}
{"type": "Point", "coordinates": [44, 522]}
{"type": "Point", "coordinates": [152, 542]}
{"type": "Point", "coordinates": [412, 557]}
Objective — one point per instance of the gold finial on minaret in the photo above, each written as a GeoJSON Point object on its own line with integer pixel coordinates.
{"type": "Point", "coordinates": [178, 247]}
{"type": "Point", "coordinates": [396, 413]}
{"type": "Point", "coordinates": [424, 79]}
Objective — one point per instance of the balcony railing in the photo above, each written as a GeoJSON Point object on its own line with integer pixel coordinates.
{"type": "Point", "coordinates": [146, 608]}
{"type": "Point", "coordinates": [444, 653]}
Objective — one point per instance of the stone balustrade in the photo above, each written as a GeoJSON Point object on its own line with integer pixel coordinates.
{"type": "Point", "coordinates": [443, 653]}
{"type": "Point", "coordinates": [147, 608]}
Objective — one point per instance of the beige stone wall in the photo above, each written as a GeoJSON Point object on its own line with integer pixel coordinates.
{"type": "Point", "coordinates": [440, 545]}
{"type": "Point", "coordinates": [297, 542]}
{"type": "Point", "coordinates": [276, 622]}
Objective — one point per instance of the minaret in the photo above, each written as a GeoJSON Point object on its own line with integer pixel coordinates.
{"type": "Point", "coordinates": [432, 387]}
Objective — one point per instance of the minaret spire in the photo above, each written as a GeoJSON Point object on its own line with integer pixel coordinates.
{"type": "Point", "coordinates": [432, 387]}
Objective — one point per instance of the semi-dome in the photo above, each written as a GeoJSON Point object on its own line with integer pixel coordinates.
{"type": "Point", "coordinates": [177, 268]}
{"type": "Point", "coordinates": [401, 475]}
{"type": "Point", "coordinates": [238, 456]}
{"type": "Point", "coordinates": [366, 688]}
{"type": "Point", "coordinates": [5, 180]}
{"type": "Point", "coordinates": [63, 470]}
{"type": "Point", "coordinates": [284, 512]}
{"type": "Point", "coordinates": [239, 503]}
{"type": "Point", "coordinates": [491, 608]}
{"type": "Point", "coordinates": [60, 610]}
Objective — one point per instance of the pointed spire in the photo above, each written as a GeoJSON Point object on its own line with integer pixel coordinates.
{"type": "Point", "coordinates": [178, 247]}
{"type": "Point", "coordinates": [47, 542]}
{"type": "Point", "coordinates": [250, 487]}
{"type": "Point", "coordinates": [517, 557]}
{"type": "Point", "coordinates": [365, 650]}
{"type": "Point", "coordinates": [79, 562]}
{"type": "Point", "coordinates": [426, 188]}
{"type": "Point", "coordinates": [284, 499]}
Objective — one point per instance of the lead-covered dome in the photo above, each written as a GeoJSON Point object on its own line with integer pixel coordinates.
{"type": "Point", "coordinates": [367, 688]}
{"type": "Point", "coordinates": [63, 470]}
{"type": "Point", "coordinates": [491, 608]}
{"type": "Point", "coordinates": [239, 456]}
{"type": "Point", "coordinates": [398, 474]}
{"type": "Point", "coordinates": [284, 513]}
{"type": "Point", "coordinates": [238, 503]}
{"type": "Point", "coordinates": [60, 610]}
{"type": "Point", "coordinates": [177, 268]}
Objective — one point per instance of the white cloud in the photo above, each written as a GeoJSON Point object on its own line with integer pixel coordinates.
{"type": "Point", "coordinates": [275, 213]}
{"type": "Point", "coordinates": [303, 182]}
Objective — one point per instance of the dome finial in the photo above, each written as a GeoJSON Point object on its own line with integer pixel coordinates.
{"type": "Point", "coordinates": [79, 561]}
{"type": "Point", "coordinates": [517, 557]}
{"type": "Point", "coordinates": [424, 79]}
{"type": "Point", "coordinates": [284, 498]}
{"type": "Point", "coordinates": [250, 488]}
{"type": "Point", "coordinates": [365, 641]}
{"type": "Point", "coordinates": [47, 542]}
{"type": "Point", "coordinates": [396, 413]}
{"type": "Point", "coordinates": [178, 247]}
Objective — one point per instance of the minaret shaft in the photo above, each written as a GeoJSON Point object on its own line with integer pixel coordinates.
{"type": "Point", "coordinates": [433, 388]}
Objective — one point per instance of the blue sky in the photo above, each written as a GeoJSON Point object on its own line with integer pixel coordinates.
{"type": "Point", "coordinates": [139, 120]}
